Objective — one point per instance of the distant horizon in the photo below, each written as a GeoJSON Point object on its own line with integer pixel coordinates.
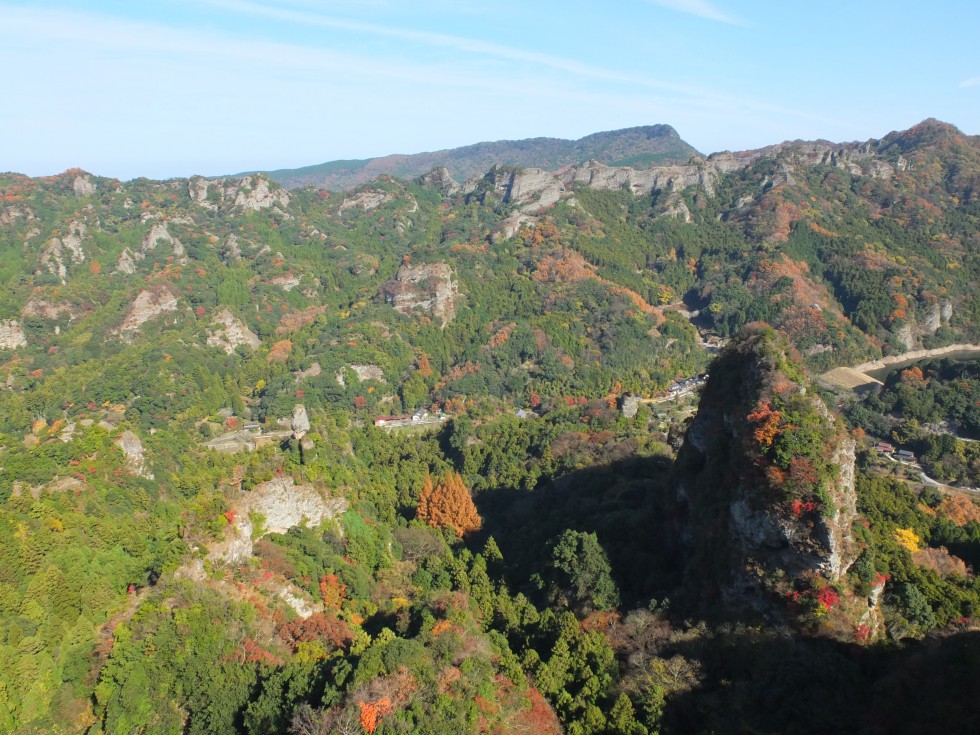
{"type": "Point", "coordinates": [183, 87]}
{"type": "Point", "coordinates": [247, 172]}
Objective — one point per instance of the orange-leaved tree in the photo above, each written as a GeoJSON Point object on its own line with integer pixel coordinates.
{"type": "Point", "coordinates": [448, 504]}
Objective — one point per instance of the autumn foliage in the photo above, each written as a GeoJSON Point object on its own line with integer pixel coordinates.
{"type": "Point", "coordinates": [317, 627]}
{"type": "Point", "coordinates": [280, 351]}
{"type": "Point", "coordinates": [333, 591]}
{"type": "Point", "coordinates": [767, 423]}
{"type": "Point", "coordinates": [908, 539]}
{"type": "Point", "coordinates": [448, 504]}
{"type": "Point", "coordinates": [372, 712]}
{"type": "Point", "coordinates": [959, 509]}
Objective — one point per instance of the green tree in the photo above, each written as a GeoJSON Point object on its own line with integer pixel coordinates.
{"type": "Point", "coordinates": [582, 571]}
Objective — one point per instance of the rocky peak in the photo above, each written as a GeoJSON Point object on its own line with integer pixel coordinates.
{"type": "Point", "coordinates": [766, 474]}
{"type": "Point", "coordinates": [441, 180]}
{"type": "Point", "coordinates": [429, 289]}
{"type": "Point", "coordinates": [257, 192]}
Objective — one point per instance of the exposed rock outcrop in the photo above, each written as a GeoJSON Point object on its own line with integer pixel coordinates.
{"type": "Point", "coordinates": [127, 262]}
{"type": "Point", "coordinates": [366, 200]}
{"type": "Point", "coordinates": [230, 332]}
{"type": "Point", "coordinates": [13, 213]}
{"type": "Point", "coordinates": [286, 282]}
{"type": "Point", "coordinates": [257, 192]}
{"type": "Point", "coordinates": [83, 186]}
{"type": "Point", "coordinates": [429, 289]}
{"type": "Point", "coordinates": [11, 335]}
{"type": "Point", "coordinates": [197, 188]}
{"type": "Point", "coordinates": [313, 371]}
{"type": "Point", "coordinates": [629, 404]}
{"type": "Point", "coordinates": [132, 448]}
{"type": "Point", "coordinates": [149, 304]}
{"type": "Point", "coordinates": [363, 372]}
{"type": "Point", "coordinates": [249, 192]}
{"type": "Point", "coordinates": [282, 504]}
{"type": "Point", "coordinates": [534, 190]}
{"type": "Point", "coordinates": [158, 233]}
{"type": "Point", "coordinates": [300, 423]}
{"type": "Point", "coordinates": [926, 320]}
{"type": "Point", "coordinates": [231, 251]}
{"type": "Point", "coordinates": [61, 251]}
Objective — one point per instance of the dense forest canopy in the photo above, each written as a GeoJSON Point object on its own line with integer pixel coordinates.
{"type": "Point", "coordinates": [430, 456]}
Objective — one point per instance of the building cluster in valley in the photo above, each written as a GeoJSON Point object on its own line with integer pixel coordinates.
{"type": "Point", "coordinates": [899, 455]}
{"type": "Point", "coordinates": [419, 418]}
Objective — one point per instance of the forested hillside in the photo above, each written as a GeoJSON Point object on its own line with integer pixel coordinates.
{"type": "Point", "coordinates": [420, 456]}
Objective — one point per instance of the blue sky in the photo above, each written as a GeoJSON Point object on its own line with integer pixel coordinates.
{"type": "Point", "coordinates": [178, 87]}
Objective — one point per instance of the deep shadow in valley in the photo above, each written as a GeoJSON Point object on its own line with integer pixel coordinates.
{"type": "Point", "coordinates": [628, 504]}
{"type": "Point", "coordinates": [762, 682]}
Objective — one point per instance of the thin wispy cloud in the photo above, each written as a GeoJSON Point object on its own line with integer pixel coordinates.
{"type": "Point", "coordinates": [467, 45]}
{"type": "Point", "coordinates": [971, 82]}
{"type": "Point", "coordinates": [169, 41]}
{"type": "Point", "coordinates": [352, 86]}
{"type": "Point", "coordinates": [441, 40]}
{"type": "Point", "coordinates": [701, 9]}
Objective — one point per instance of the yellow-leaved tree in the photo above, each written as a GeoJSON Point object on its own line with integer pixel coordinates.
{"type": "Point", "coordinates": [908, 538]}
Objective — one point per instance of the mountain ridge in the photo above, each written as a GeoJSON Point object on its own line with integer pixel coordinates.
{"type": "Point", "coordinates": [642, 144]}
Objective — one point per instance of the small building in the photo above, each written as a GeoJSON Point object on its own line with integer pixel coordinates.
{"type": "Point", "coordinates": [253, 427]}
{"type": "Point", "coordinates": [420, 415]}
{"type": "Point", "coordinates": [884, 448]}
{"type": "Point", "coordinates": [903, 455]}
{"type": "Point", "coordinates": [522, 414]}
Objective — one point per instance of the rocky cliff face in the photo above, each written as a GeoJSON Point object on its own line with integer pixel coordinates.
{"type": "Point", "coordinates": [534, 190]}
{"type": "Point", "coordinates": [766, 475]}
{"type": "Point", "coordinates": [926, 320]}
{"type": "Point", "coordinates": [429, 289]}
